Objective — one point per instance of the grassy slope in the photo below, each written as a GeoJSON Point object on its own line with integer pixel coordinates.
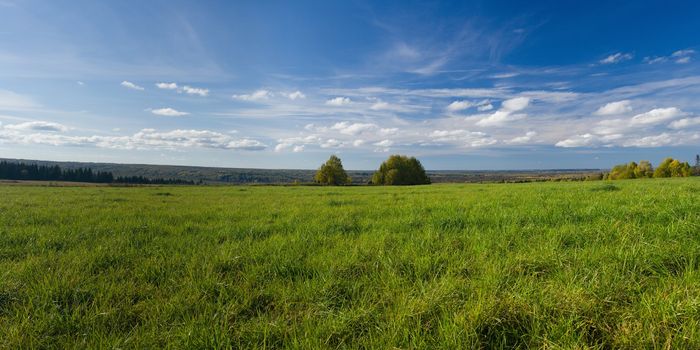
{"type": "Point", "coordinates": [442, 266]}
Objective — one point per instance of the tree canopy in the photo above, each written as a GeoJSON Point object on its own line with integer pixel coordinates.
{"type": "Point", "coordinates": [672, 168]}
{"type": "Point", "coordinates": [401, 170]}
{"type": "Point", "coordinates": [668, 168]}
{"type": "Point", "coordinates": [332, 173]}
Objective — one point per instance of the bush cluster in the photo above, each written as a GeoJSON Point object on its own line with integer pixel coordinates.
{"type": "Point", "coordinates": [397, 170]}
{"type": "Point", "coordinates": [668, 168]}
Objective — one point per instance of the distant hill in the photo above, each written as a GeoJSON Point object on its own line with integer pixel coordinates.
{"type": "Point", "coordinates": [215, 175]}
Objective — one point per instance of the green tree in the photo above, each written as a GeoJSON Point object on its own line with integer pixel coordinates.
{"type": "Point", "coordinates": [332, 173]}
{"type": "Point", "coordinates": [400, 170]}
{"type": "Point", "coordinates": [623, 171]}
{"type": "Point", "coordinates": [672, 168]}
{"type": "Point", "coordinates": [644, 169]}
{"type": "Point", "coordinates": [663, 169]}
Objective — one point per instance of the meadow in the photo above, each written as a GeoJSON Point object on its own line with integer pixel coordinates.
{"type": "Point", "coordinates": [534, 265]}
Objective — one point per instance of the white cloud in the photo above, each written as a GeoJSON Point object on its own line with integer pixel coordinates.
{"type": "Point", "coordinates": [515, 104]}
{"type": "Point", "coordinates": [505, 75]}
{"type": "Point", "coordinates": [383, 145]}
{"type": "Point", "coordinates": [130, 85]}
{"type": "Point", "coordinates": [461, 137]}
{"type": "Point", "coordinates": [168, 112]}
{"type": "Point", "coordinates": [338, 101]}
{"type": "Point", "coordinates": [167, 86]}
{"type": "Point", "coordinates": [331, 143]}
{"type": "Point", "coordinates": [255, 96]}
{"type": "Point", "coordinates": [683, 53]}
{"type": "Point", "coordinates": [186, 89]}
{"type": "Point", "coordinates": [297, 149]}
{"type": "Point", "coordinates": [144, 139]}
{"type": "Point", "coordinates": [680, 57]}
{"type": "Point", "coordinates": [616, 58]}
{"type": "Point", "coordinates": [296, 95]}
{"type": "Point", "coordinates": [613, 108]}
{"type": "Point", "coordinates": [656, 116]}
{"type": "Point", "coordinates": [195, 91]}
{"type": "Point", "coordinates": [80, 83]}
{"type": "Point", "coordinates": [651, 141]}
{"type": "Point", "coordinates": [37, 126]}
{"type": "Point", "coordinates": [654, 60]}
{"type": "Point", "coordinates": [578, 141]}
{"type": "Point", "coordinates": [354, 128]}
{"type": "Point", "coordinates": [358, 142]}
{"type": "Point", "coordinates": [684, 123]}
{"type": "Point", "coordinates": [523, 139]}
{"type": "Point", "coordinates": [456, 106]}
{"type": "Point", "coordinates": [683, 60]}
{"type": "Point", "coordinates": [505, 113]}
{"type": "Point", "coordinates": [380, 106]}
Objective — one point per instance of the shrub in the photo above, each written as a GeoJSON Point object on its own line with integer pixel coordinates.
{"type": "Point", "coordinates": [401, 170]}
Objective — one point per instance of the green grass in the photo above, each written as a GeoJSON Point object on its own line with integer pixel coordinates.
{"type": "Point", "coordinates": [542, 265]}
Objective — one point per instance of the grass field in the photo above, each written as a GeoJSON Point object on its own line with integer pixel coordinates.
{"type": "Point", "coordinates": [540, 265]}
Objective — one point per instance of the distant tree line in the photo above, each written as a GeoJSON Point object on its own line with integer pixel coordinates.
{"type": "Point", "coordinates": [668, 168]}
{"type": "Point", "coordinates": [23, 171]}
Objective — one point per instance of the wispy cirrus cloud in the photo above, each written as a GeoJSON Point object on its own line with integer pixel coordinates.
{"type": "Point", "coordinates": [616, 58]}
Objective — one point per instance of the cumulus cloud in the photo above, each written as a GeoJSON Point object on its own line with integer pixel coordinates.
{"type": "Point", "coordinates": [255, 96]}
{"type": "Point", "coordinates": [167, 86]}
{"type": "Point", "coordinates": [168, 112]}
{"type": "Point", "coordinates": [130, 85]}
{"type": "Point", "coordinates": [296, 95]}
{"type": "Point", "coordinates": [616, 58]}
{"type": "Point", "coordinates": [613, 108]}
{"type": "Point", "coordinates": [578, 141]}
{"type": "Point", "coordinates": [383, 145]}
{"type": "Point", "coordinates": [506, 113]}
{"type": "Point", "coordinates": [331, 143]}
{"type": "Point", "coordinates": [353, 128]}
{"type": "Point", "coordinates": [457, 106]}
{"type": "Point", "coordinates": [515, 104]}
{"type": "Point", "coordinates": [195, 91]}
{"type": "Point", "coordinates": [183, 89]}
{"type": "Point", "coordinates": [656, 116]}
{"type": "Point", "coordinates": [685, 123]}
{"type": "Point", "coordinates": [338, 101]}
{"type": "Point", "coordinates": [528, 137]}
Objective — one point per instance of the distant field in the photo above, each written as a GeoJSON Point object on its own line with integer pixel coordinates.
{"type": "Point", "coordinates": [539, 265]}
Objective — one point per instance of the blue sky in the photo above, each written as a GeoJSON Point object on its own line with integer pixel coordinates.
{"type": "Point", "coordinates": [281, 84]}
